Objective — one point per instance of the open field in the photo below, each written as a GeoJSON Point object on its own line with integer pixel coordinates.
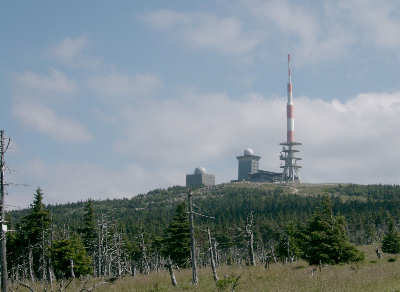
{"type": "Point", "coordinates": [371, 275]}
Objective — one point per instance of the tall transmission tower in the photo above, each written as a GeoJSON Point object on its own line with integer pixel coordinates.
{"type": "Point", "coordinates": [290, 172]}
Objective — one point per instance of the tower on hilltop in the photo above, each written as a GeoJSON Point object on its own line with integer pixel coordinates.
{"type": "Point", "coordinates": [290, 173]}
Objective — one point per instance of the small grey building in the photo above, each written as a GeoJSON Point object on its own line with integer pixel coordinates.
{"type": "Point", "coordinates": [200, 178]}
{"type": "Point", "coordinates": [248, 164]}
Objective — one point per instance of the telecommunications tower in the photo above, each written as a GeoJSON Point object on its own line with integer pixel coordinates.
{"type": "Point", "coordinates": [290, 168]}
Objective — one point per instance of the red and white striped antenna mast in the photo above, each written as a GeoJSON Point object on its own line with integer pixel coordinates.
{"type": "Point", "coordinates": [290, 168]}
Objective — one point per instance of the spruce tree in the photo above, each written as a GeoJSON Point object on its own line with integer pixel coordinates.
{"type": "Point", "coordinates": [289, 244]}
{"type": "Point", "coordinates": [391, 240]}
{"type": "Point", "coordinates": [88, 230]}
{"type": "Point", "coordinates": [38, 220]}
{"type": "Point", "coordinates": [325, 238]}
{"type": "Point", "coordinates": [176, 241]}
{"type": "Point", "coordinates": [67, 250]}
{"type": "Point", "coordinates": [35, 227]}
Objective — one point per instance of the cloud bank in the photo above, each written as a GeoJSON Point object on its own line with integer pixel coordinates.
{"type": "Point", "coordinates": [161, 141]}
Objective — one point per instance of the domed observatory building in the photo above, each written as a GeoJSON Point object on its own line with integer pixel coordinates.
{"type": "Point", "coordinates": [200, 178]}
{"type": "Point", "coordinates": [248, 169]}
{"type": "Point", "coordinates": [248, 164]}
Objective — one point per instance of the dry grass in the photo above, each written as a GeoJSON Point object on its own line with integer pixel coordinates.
{"type": "Point", "coordinates": [371, 275]}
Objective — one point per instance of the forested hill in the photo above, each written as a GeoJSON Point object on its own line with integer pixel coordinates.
{"type": "Point", "coordinates": [366, 208]}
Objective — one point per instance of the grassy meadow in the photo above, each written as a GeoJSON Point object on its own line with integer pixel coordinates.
{"type": "Point", "coordinates": [370, 275]}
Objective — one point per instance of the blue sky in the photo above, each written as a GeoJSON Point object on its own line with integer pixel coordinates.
{"type": "Point", "coordinates": [109, 99]}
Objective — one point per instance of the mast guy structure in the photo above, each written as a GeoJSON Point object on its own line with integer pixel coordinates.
{"type": "Point", "coordinates": [290, 167]}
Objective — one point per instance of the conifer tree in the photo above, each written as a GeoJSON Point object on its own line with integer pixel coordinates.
{"type": "Point", "coordinates": [35, 231]}
{"type": "Point", "coordinates": [391, 241]}
{"type": "Point", "coordinates": [88, 230]}
{"type": "Point", "coordinates": [69, 258]}
{"type": "Point", "coordinates": [176, 240]}
{"type": "Point", "coordinates": [38, 220]}
{"type": "Point", "coordinates": [289, 245]}
{"type": "Point", "coordinates": [326, 238]}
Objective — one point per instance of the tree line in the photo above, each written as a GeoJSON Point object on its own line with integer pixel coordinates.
{"type": "Point", "coordinates": [251, 227]}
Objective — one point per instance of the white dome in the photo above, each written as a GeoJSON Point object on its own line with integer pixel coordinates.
{"type": "Point", "coordinates": [199, 170]}
{"type": "Point", "coordinates": [248, 151]}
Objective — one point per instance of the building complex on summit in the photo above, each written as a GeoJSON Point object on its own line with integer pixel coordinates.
{"type": "Point", "coordinates": [200, 178]}
{"type": "Point", "coordinates": [248, 163]}
{"type": "Point", "coordinates": [248, 169]}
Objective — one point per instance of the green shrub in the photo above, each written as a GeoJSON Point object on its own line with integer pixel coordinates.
{"type": "Point", "coordinates": [228, 281]}
{"type": "Point", "coordinates": [391, 241]}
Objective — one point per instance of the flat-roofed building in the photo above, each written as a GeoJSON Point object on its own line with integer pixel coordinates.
{"type": "Point", "coordinates": [248, 169]}
{"type": "Point", "coordinates": [248, 164]}
{"type": "Point", "coordinates": [200, 178]}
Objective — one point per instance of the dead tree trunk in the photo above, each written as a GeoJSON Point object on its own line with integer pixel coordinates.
{"type": "Point", "coordinates": [49, 264]}
{"type": "Point", "coordinates": [49, 273]}
{"type": "Point", "coordinates": [71, 265]}
{"type": "Point", "coordinates": [195, 279]}
{"type": "Point", "coordinates": [145, 264]}
{"type": "Point", "coordinates": [216, 253]}
{"type": "Point", "coordinates": [119, 256]}
{"type": "Point", "coordinates": [214, 270]}
{"type": "Point", "coordinates": [4, 143]}
{"type": "Point", "coordinates": [43, 256]}
{"type": "Point", "coordinates": [171, 272]}
{"type": "Point", "coordinates": [30, 259]}
{"type": "Point", "coordinates": [251, 238]}
{"type": "Point", "coordinates": [273, 254]}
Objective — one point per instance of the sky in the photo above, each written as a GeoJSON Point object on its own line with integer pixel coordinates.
{"type": "Point", "coordinates": [108, 99]}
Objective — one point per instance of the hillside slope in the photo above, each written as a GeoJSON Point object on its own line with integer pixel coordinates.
{"type": "Point", "coordinates": [366, 208]}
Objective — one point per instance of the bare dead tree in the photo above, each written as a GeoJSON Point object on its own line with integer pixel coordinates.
{"type": "Point", "coordinates": [4, 144]}
{"type": "Point", "coordinates": [212, 256]}
{"type": "Point", "coordinates": [214, 248]}
{"type": "Point", "coordinates": [249, 225]}
{"type": "Point", "coordinates": [50, 273]}
{"type": "Point", "coordinates": [30, 262]}
{"type": "Point", "coordinates": [71, 266]}
{"type": "Point", "coordinates": [195, 279]}
{"type": "Point", "coordinates": [171, 272]}
{"type": "Point", "coordinates": [145, 263]}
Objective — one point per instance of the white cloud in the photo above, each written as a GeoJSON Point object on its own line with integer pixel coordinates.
{"type": "Point", "coordinates": [322, 31]}
{"type": "Point", "coordinates": [329, 29]}
{"type": "Point", "coordinates": [70, 48]}
{"type": "Point", "coordinates": [374, 21]}
{"type": "Point", "coordinates": [74, 181]}
{"type": "Point", "coordinates": [71, 51]}
{"type": "Point", "coordinates": [162, 140]}
{"type": "Point", "coordinates": [46, 121]}
{"type": "Point", "coordinates": [311, 34]}
{"type": "Point", "coordinates": [56, 82]}
{"type": "Point", "coordinates": [116, 85]}
{"type": "Point", "coordinates": [205, 30]}
{"type": "Point", "coordinates": [341, 140]}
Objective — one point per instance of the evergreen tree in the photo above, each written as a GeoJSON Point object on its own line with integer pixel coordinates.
{"type": "Point", "coordinates": [391, 241]}
{"type": "Point", "coordinates": [88, 231]}
{"type": "Point", "coordinates": [326, 238]}
{"type": "Point", "coordinates": [289, 244]}
{"type": "Point", "coordinates": [34, 231]}
{"type": "Point", "coordinates": [67, 251]}
{"type": "Point", "coordinates": [176, 240]}
{"type": "Point", "coordinates": [38, 220]}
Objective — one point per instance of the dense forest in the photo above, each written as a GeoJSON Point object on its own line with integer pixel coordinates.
{"type": "Point", "coordinates": [365, 207]}
{"type": "Point", "coordinates": [140, 234]}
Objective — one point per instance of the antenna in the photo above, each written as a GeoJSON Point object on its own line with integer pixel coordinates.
{"type": "Point", "coordinates": [290, 168]}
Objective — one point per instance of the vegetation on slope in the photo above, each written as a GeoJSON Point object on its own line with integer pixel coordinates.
{"type": "Point", "coordinates": [126, 236]}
